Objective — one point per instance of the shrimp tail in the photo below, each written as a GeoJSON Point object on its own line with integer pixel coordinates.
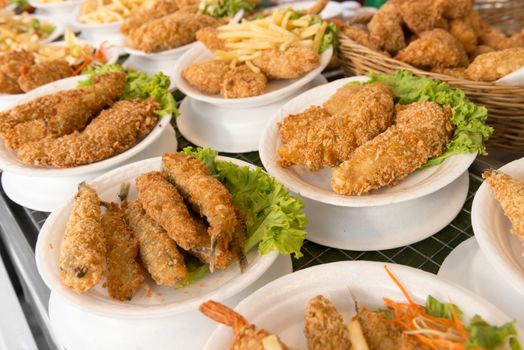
{"type": "Point", "coordinates": [124, 191]}
{"type": "Point", "coordinates": [222, 314]}
{"type": "Point", "coordinates": [213, 254]}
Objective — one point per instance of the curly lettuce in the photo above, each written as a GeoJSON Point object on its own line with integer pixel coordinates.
{"type": "Point", "coordinates": [226, 8]}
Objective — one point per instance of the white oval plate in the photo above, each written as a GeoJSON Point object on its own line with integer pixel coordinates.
{"type": "Point", "coordinates": [316, 185]}
{"type": "Point", "coordinates": [59, 28]}
{"type": "Point", "coordinates": [492, 230]}
{"type": "Point", "coordinates": [164, 300]}
{"type": "Point", "coordinates": [332, 9]}
{"type": "Point", "coordinates": [162, 55]}
{"type": "Point", "coordinates": [276, 89]}
{"type": "Point", "coordinates": [279, 306]}
{"type": "Point", "coordinates": [56, 7]}
{"type": "Point", "coordinates": [10, 163]}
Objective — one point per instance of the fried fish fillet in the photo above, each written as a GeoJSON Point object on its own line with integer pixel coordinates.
{"type": "Point", "coordinates": [206, 76]}
{"type": "Point", "coordinates": [43, 73]}
{"type": "Point", "coordinates": [242, 82]}
{"type": "Point", "coordinates": [209, 37]}
{"type": "Point", "coordinates": [494, 65]}
{"type": "Point", "coordinates": [11, 64]}
{"type": "Point", "coordinates": [148, 11]}
{"type": "Point", "coordinates": [289, 64]}
{"type": "Point", "coordinates": [385, 29]}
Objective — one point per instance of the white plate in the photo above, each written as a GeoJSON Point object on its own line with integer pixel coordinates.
{"type": "Point", "coordinates": [151, 67]}
{"type": "Point", "coordinates": [492, 230]}
{"type": "Point", "coordinates": [62, 5]}
{"type": "Point", "coordinates": [62, 12]}
{"type": "Point", "coordinates": [332, 9]}
{"type": "Point", "coordinates": [316, 185]}
{"type": "Point", "coordinates": [279, 306]}
{"type": "Point", "coordinates": [276, 89]}
{"type": "Point", "coordinates": [10, 163]}
{"type": "Point", "coordinates": [399, 225]}
{"type": "Point", "coordinates": [48, 193]}
{"type": "Point", "coordinates": [189, 331]}
{"type": "Point", "coordinates": [467, 266]}
{"type": "Point", "coordinates": [227, 130]}
{"type": "Point", "coordinates": [165, 300]}
{"type": "Point", "coordinates": [162, 55]}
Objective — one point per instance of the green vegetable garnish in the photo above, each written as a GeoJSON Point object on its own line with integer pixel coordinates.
{"type": "Point", "coordinates": [226, 8]}
{"type": "Point", "coordinates": [483, 335]}
{"type": "Point", "coordinates": [438, 309]}
{"type": "Point", "coordinates": [330, 37]}
{"type": "Point", "coordinates": [193, 275]}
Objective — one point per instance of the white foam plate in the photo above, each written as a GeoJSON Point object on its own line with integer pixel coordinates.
{"type": "Point", "coordinates": [279, 306]}
{"type": "Point", "coordinates": [10, 163]}
{"type": "Point", "coordinates": [164, 301]}
{"type": "Point", "coordinates": [492, 230]}
{"type": "Point", "coordinates": [276, 89]}
{"type": "Point", "coordinates": [467, 267]}
{"type": "Point", "coordinates": [159, 56]}
{"type": "Point", "coordinates": [316, 185]}
{"type": "Point", "coordinates": [332, 9]}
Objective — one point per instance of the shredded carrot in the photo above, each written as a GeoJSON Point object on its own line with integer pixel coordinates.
{"type": "Point", "coordinates": [397, 282]}
{"type": "Point", "coordinates": [459, 325]}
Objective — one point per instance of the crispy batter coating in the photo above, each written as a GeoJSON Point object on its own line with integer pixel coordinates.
{"type": "Point", "coordinates": [494, 65]}
{"type": "Point", "coordinates": [83, 250]}
{"type": "Point", "coordinates": [339, 101]}
{"type": "Point", "coordinates": [420, 15]}
{"type": "Point", "coordinates": [10, 65]}
{"type": "Point", "coordinates": [206, 76]}
{"type": "Point", "coordinates": [187, 3]}
{"type": "Point", "coordinates": [209, 37]}
{"type": "Point", "coordinates": [454, 8]}
{"type": "Point", "coordinates": [158, 252]}
{"type": "Point", "coordinates": [241, 82]}
{"type": "Point", "coordinates": [59, 113]}
{"type": "Point", "coordinates": [148, 11]}
{"type": "Point", "coordinates": [169, 32]}
{"type": "Point", "coordinates": [494, 38]}
{"type": "Point", "coordinates": [509, 192]}
{"type": "Point", "coordinates": [422, 132]}
{"type": "Point", "coordinates": [43, 73]}
{"type": "Point", "coordinates": [385, 29]}
{"type": "Point", "coordinates": [289, 64]}
{"type": "Point", "coordinates": [465, 33]}
{"type": "Point", "coordinates": [434, 48]}
{"type": "Point", "coordinates": [481, 49]}
{"type": "Point", "coordinates": [360, 36]}
{"type": "Point", "coordinates": [324, 327]}
{"type": "Point", "coordinates": [114, 131]}
{"type": "Point", "coordinates": [124, 275]}
{"type": "Point", "coordinates": [459, 73]}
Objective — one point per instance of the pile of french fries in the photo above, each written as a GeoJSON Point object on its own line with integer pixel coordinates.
{"type": "Point", "coordinates": [107, 11]}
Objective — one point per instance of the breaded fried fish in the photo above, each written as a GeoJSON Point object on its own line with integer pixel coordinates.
{"type": "Point", "coordinates": [150, 10]}
{"type": "Point", "coordinates": [10, 65]}
{"type": "Point", "coordinates": [206, 76]}
{"type": "Point", "coordinates": [43, 73]}
{"type": "Point", "coordinates": [209, 37]}
{"type": "Point", "coordinates": [289, 64]}
{"type": "Point", "coordinates": [241, 82]}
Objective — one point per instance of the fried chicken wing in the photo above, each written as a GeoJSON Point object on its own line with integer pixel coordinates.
{"type": "Point", "coordinates": [465, 33]}
{"type": "Point", "coordinates": [422, 131]}
{"type": "Point", "coordinates": [209, 37]}
{"type": "Point", "coordinates": [10, 65]}
{"type": "Point", "coordinates": [420, 15]}
{"type": "Point", "coordinates": [289, 64]}
{"type": "Point", "coordinates": [385, 29]}
{"type": "Point", "coordinates": [241, 82]}
{"type": "Point", "coordinates": [83, 250]}
{"type": "Point", "coordinates": [206, 76]}
{"type": "Point", "coordinates": [43, 73]}
{"type": "Point", "coordinates": [124, 275]}
{"type": "Point", "coordinates": [324, 327]}
{"type": "Point", "coordinates": [148, 11]}
{"type": "Point", "coordinates": [494, 65]}
{"type": "Point", "coordinates": [454, 8]}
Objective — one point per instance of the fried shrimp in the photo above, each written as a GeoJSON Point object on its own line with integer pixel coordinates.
{"type": "Point", "coordinates": [422, 131]}
{"type": "Point", "coordinates": [147, 12]}
{"type": "Point", "coordinates": [43, 73]}
{"type": "Point", "coordinates": [324, 327]}
{"type": "Point", "coordinates": [206, 76]}
{"type": "Point", "coordinates": [83, 250]}
{"type": "Point", "coordinates": [158, 252]}
{"type": "Point", "coordinates": [241, 82]}
{"type": "Point", "coordinates": [245, 336]}
{"type": "Point", "coordinates": [289, 64]}
{"type": "Point", "coordinates": [124, 275]}
{"type": "Point", "coordinates": [385, 29]}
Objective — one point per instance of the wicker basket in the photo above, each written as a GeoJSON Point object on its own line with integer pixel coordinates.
{"type": "Point", "coordinates": [501, 11]}
{"type": "Point", "coordinates": [504, 103]}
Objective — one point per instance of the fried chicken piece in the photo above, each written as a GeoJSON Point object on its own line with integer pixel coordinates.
{"type": "Point", "coordinates": [459, 73]}
{"type": "Point", "coordinates": [422, 131]}
{"type": "Point", "coordinates": [385, 29]}
{"type": "Point", "coordinates": [168, 32]}
{"type": "Point", "coordinates": [114, 131]}
{"type": "Point", "coordinates": [420, 15]}
{"type": "Point", "coordinates": [10, 65]}
{"type": "Point", "coordinates": [83, 250]}
{"type": "Point", "coordinates": [245, 336]}
{"type": "Point", "coordinates": [187, 3]}
{"type": "Point", "coordinates": [454, 8]}
{"type": "Point", "coordinates": [360, 36]}
{"type": "Point", "coordinates": [241, 82]}
{"type": "Point", "coordinates": [481, 49]}
{"type": "Point", "coordinates": [509, 192]}
{"type": "Point", "coordinates": [43, 73]}
{"type": "Point", "coordinates": [289, 64]}
{"type": "Point", "coordinates": [339, 101]}
{"type": "Point", "coordinates": [158, 252]}
{"type": "Point", "coordinates": [465, 33]}
{"type": "Point", "coordinates": [206, 76]}
{"type": "Point", "coordinates": [147, 12]}
{"type": "Point", "coordinates": [209, 37]}
{"type": "Point", "coordinates": [494, 65]}
{"type": "Point", "coordinates": [496, 39]}
{"type": "Point", "coordinates": [124, 275]}
{"type": "Point", "coordinates": [324, 327]}
{"type": "Point", "coordinates": [434, 48]}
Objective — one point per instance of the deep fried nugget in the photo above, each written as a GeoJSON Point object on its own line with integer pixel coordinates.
{"type": "Point", "coordinates": [10, 65]}
{"type": "Point", "coordinates": [324, 327]}
{"type": "Point", "coordinates": [241, 82]}
{"type": "Point", "coordinates": [454, 8]}
{"type": "Point", "coordinates": [385, 29]}
{"type": "Point", "coordinates": [43, 73]}
{"type": "Point", "coordinates": [114, 131]}
{"type": "Point", "coordinates": [465, 33]}
{"type": "Point", "coordinates": [494, 65]}
{"type": "Point", "coordinates": [158, 252]}
{"type": "Point", "coordinates": [123, 274]}
{"type": "Point", "coordinates": [420, 15]}
{"type": "Point", "coordinates": [509, 192]}
{"type": "Point", "coordinates": [434, 48]}
{"type": "Point", "coordinates": [83, 250]}
{"type": "Point", "coordinates": [289, 64]}
{"type": "Point", "coordinates": [169, 32]}
{"type": "Point", "coordinates": [340, 100]}
{"type": "Point", "coordinates": [209, 37]}
{"type": "Point", "coordinates": [148, 11]}
{"type": "Point", "coordinates": [422, 132]}
{"type": "Point", "coordinates": [206, 76]}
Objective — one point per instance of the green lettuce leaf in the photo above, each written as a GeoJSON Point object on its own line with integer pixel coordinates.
{"type": "Point", "coordinates": [330, 37]}
{"type": "Point", "coordinates": [274, 219]}
{"type": "Point", "coordinates": [485, 336]}
{"type": "Point", "coordinates": [194, 275]}
{"type": "Point", "coordinates": [226, 8]}
{"type": "Point", "coordinates": [438, 309]}
{"type": "Point", "coordinates": [469, 120]}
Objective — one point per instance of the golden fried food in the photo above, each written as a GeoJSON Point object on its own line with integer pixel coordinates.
{"type": "Point", "coordinates": [10, 65]}
{"type": "Point", "coordinates": [289, 64]}
{"type": "Point", "coordinates": [324, 327]}
{"type": "Point", "coordinates": [459, 73]}
{"type": "Point", "coordinates": [385, 29]}
{"type": "Point", "coordinates": [83, 250]}
{"type": "Point", "coordinates": [509, 192]}
{"type": "Point", "coordinates": [454, 8]}
{"type": "Point", "coordinates": [360, 36]}
{"type": "Point", "coordinates": [494, 65]}
{"type": "Point", "coordinates": [420, 15]}
{"type": "Point", "coordinates": [241, 82]}
{"type": "Point", "coordinates": [481, 49]}
{"type": "Point", "coordinates": [422, 131]}
{"type": "Point", "coordinates": [206, 76]}
{"type": "Point", "coordinates": [209, 37]}
{"type": "Point", "coordinates": [338, 102]}
{"type": "Point", "coordinates": [187, 3]}
{"type": "Point", "coordinates": [158, 252]}
{"type": "Point", "coordinates": [245, 336]}
{"type": "Point", "coordinates": [434, 48]}
{"type": "Point", "coordinates": [43, 73]}
{"type": "Point", "coordinates": [465, 33]}
{"type": "Point", "coordinates": [123, 274]}
{"type": "Point", "coordinates": [148, 11]}
{"type": "Point", "coordinates": [496, 39]}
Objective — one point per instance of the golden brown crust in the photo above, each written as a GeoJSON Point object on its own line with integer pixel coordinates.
{"type": "Point", "coordinates": [494, 65]}
{"type": "Point", "coordinates": [420, 15]}
{"type": "Point", "coordinates": [206, 76]}
{"type": "Point", "coordinates": [148, 11]}
{"type": "Point", "coordinates": [289, 64]}
{"type": "Point", "coordinates": [385, 29]}
{"type": "Point", "coordinates": [465, 33]}
{"type": "Point", "coordinates": [209, 37]}
{"type": "Point", "coordinates": [242, 82]}
{"type": "Point", "coordinates": [43, 73]}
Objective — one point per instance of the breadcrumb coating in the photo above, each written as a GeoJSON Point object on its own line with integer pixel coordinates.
{"type": "Point", "coordinates": [43, 73]}
{"type": "Point", "coordinates": [494, 65]}
{"type": "Point", "coordinates": [149, 11]}
{"type": "Point", "coordinates": [209, 37]}
{"type": "Point", "coordinates": [242, 82]}
{"type": "Point", "coordinates": [454, 8]}
{"type": "Point", "coordinates": [420, 15]}
{"type": "Point", "coordinates": [206, 76]}
{"type": "Point", "coordinates": [11, 64]}
{"type": "Point", "coordinates": [385, 29]}
{"type": "Point", "coordinates": [289, 64]}
{"type": "Point", "coordinates": [465, 33]}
